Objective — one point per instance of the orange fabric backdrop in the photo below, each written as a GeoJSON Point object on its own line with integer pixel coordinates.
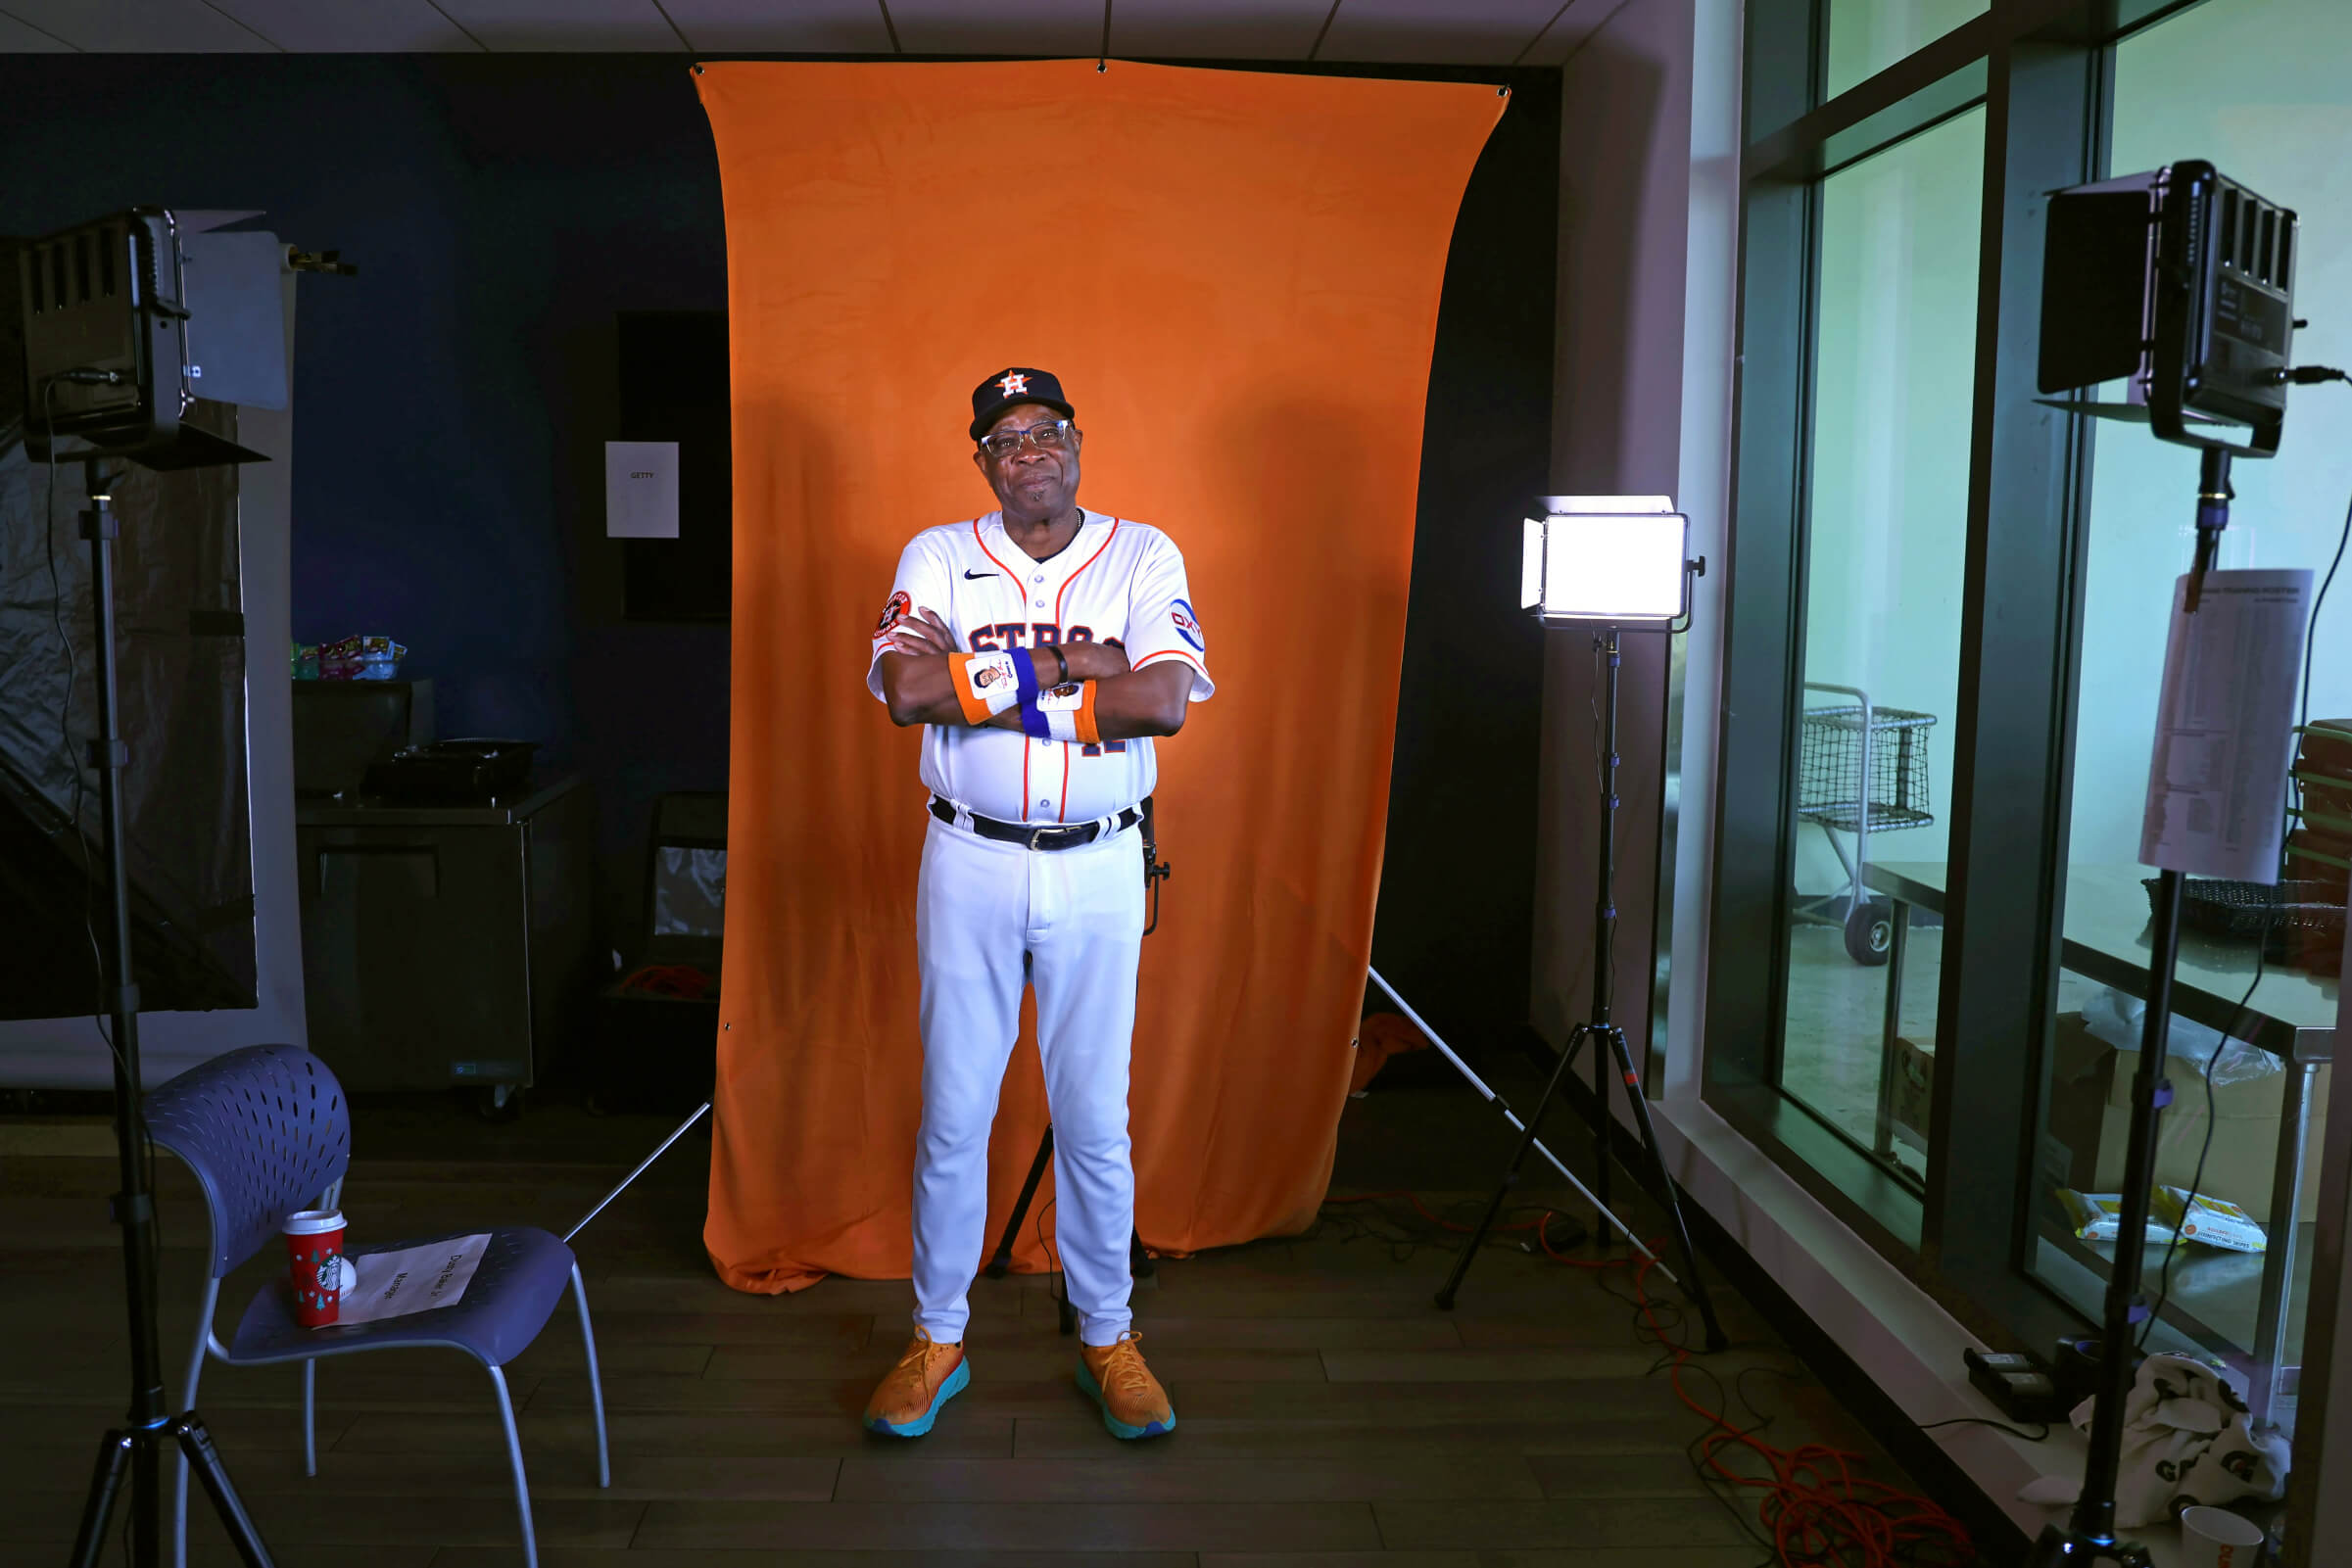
{"type": "Point", "coordinates": [1236, 274]}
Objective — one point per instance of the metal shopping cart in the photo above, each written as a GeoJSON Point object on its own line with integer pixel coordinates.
{"type": "Point", "coordinates": [1861, 770]}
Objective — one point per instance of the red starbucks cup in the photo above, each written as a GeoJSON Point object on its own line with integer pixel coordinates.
{"type": "Point", "coordinates": [318, 1269]}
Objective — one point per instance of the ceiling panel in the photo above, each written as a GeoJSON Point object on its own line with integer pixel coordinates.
{"type": "Point", "coordinates": [1468, 33]}
{"type": "Point", "coordinates": [1217, 29]}
{"type": "Point", "coordinates": [327, 26]}
{"type": "Point", "coordinates": [1451, 31]}
{"type": "Point", "coordinates": [582, 24]}
{"type": "Point", "coordinates": [1577, 22]}
{"type": "Point", "coordinates": [814, 27]}
{"type": "Point", "coordinates": [138, 26]}
{"type": "Point", "coordinates": [24, 38]}
{"type": "Point", "coordinates": [1054, 27]}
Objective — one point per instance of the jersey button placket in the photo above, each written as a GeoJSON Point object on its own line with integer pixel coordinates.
{"type": "Point", "coordinates": [1039, 578]}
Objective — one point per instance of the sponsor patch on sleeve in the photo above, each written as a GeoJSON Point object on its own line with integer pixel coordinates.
{"type": "Point", "coordinates": [1188, 626]}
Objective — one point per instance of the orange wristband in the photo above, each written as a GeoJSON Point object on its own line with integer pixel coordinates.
{"type": "Point", "coordinates": [1088, 733]}
{"type": "Point", "coordinates": [959, 675]}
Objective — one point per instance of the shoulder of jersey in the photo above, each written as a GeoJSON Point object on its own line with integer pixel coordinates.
{"type": "Point", "coordinates": [1142, 535]}
{"type": "Point", "coordinates": [946, 534]}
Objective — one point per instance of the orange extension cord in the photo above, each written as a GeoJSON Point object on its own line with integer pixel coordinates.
{"type": "Point", "coordinates": [1816, 1509]}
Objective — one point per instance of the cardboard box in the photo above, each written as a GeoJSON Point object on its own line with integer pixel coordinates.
{"type": "Point", "coordinates": [1913, 1096]}
{"type": "Point", "coordinates": [2091, 1118]}
{"type": "Point", "coordinates": [2326, 747]}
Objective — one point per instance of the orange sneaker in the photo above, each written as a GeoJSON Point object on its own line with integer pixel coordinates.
{"type": "Point", "coordinates": [908, 1400]}
{"type": "Point", "coordinates": [1114, 1376]}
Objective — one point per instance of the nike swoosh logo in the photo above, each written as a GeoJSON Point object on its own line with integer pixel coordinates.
{"type": "Point", "coordinates": [970, 574]}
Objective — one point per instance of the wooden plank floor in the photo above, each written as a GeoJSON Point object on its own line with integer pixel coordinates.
{"type": "Point", "coordinates": [1330, 1417]}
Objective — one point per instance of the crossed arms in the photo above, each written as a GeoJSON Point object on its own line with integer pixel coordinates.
{"type": "Point", "coordinates": [1129, 704]}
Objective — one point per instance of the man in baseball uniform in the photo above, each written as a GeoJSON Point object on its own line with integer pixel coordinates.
{"type": "Point", "coordinates": [1043, 646]}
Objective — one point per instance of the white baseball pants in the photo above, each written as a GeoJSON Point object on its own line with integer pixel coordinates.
{"type": "Point", "coordinates": [1078, 914]}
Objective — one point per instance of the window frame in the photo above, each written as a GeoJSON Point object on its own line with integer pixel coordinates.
{"type": "Point", "coordinates": [2042, 70]}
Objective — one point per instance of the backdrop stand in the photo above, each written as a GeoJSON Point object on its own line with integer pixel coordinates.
{"type": "Point", "coordinates": [1499, 1102]}
{"type": "Point", "coordinates": [1139, 1262]}
{"type": "Point", "coordinates": [622, 1186]}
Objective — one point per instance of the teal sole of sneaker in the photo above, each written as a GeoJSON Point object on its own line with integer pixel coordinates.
{"type": "Point", "coordinates": [957, 1381]}
{"type": "Point", "coordinates": [1117, 1428]}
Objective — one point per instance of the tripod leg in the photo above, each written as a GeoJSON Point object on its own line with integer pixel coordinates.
{"type": "Point", "coordinates": [187, 1401]}
{"type": "Point", "coordinates": [1693, 1285]}
{"type": "Point", "coordinates": [1510, 1177]}
{"type": "Point", "coordinates": [146, 1494]}
{"type": "Point", "coordinates": [197, 1443]}
{"type": "Point", "coordinates": [1002, 1263]}
{"type": "Point", "coordinates": [1600, 1234]}
{"type": "Point", "coordinates": [98, 1509]}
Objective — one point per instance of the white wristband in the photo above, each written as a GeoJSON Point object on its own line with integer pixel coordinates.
{"type": "Point", "coordinates": [1058, 705]}
{"type": "Point", "coordinates": [994, 685]}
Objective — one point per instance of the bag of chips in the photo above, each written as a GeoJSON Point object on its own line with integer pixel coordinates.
{"type": "Point", "coordinates": [361, 658]}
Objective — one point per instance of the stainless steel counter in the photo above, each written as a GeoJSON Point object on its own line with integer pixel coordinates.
{"type": "Point", "coordinates": [364, 813]}
{"type": "Point", "coordinates": [446, 944]}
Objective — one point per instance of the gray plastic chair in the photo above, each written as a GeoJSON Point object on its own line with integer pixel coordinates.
{"type": "Point", "coordinates": [266, 1131]}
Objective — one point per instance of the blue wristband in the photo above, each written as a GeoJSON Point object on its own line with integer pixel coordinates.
{"type": "Point", "coordinates": [1024, 674]}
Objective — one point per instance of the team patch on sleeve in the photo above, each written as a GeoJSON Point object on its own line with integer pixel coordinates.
{"type": "Point", "coordinates": [891, 614]}
{"type": "Point", "coordinates": [1188, 625]}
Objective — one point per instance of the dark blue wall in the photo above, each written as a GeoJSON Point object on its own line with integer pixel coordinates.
{"type": "Point", "coordinates": [451, 401]}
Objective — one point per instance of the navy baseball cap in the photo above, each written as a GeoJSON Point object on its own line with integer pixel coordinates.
{"type": "Point", "coordinates": [1015, 384]}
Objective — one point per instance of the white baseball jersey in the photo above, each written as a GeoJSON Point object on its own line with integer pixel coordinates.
{"type": "Point", "coordinates": [1117, 580]}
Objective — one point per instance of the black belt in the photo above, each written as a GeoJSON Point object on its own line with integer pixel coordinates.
{"type": "Point", "coordinates": [1046, 835]}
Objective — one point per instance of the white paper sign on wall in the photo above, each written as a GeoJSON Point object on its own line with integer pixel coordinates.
{"type": "Point", "coordinates": [640, 490]}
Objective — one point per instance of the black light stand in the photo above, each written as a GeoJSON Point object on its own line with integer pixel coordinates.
{"type": "Point", "coordinates": [2088, 1534]}
{"type": "Point", "coordinates": [1140, 1263]}
{"type": "Point", "coordinates": [1608, 1039]}
{"type": "Point", "coordinates": [135, 1449]}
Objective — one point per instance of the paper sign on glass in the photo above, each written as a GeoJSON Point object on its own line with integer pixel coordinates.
{"type": "Point", "coordinates": [640, 490]}
{"type": "Point", "coordinates": [2226, 727]}
{"type": "Point", "coordinates": [414, 1279]}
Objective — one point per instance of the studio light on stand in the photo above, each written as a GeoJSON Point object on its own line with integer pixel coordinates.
{"type": "Point", "coordinates": [126, 321]}
{"type": "Point", "coordinates": [2180, 282]}
{"type": "Point", "coordinates": [1618, 564]}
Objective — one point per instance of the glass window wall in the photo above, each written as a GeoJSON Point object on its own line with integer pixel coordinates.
{"type": "Point", "coordinates": [2256, 87]}
{"type": "Point", "coordinates": [1866, 36]}
{"type": "Point", "coordinates": [1885, 544]}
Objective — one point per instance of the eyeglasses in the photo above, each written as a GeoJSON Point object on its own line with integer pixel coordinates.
{"type": "Point", "coordinates": [1046, 438]}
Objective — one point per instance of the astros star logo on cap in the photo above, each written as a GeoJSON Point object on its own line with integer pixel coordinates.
{"type": "Point", "coordinates": [1014, 384]}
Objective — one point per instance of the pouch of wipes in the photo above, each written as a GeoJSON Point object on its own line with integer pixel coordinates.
{"type": "Point", "coordinates": [2099, 1216]}
{"type": "Point", "coordinates": [2212, 1220]}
